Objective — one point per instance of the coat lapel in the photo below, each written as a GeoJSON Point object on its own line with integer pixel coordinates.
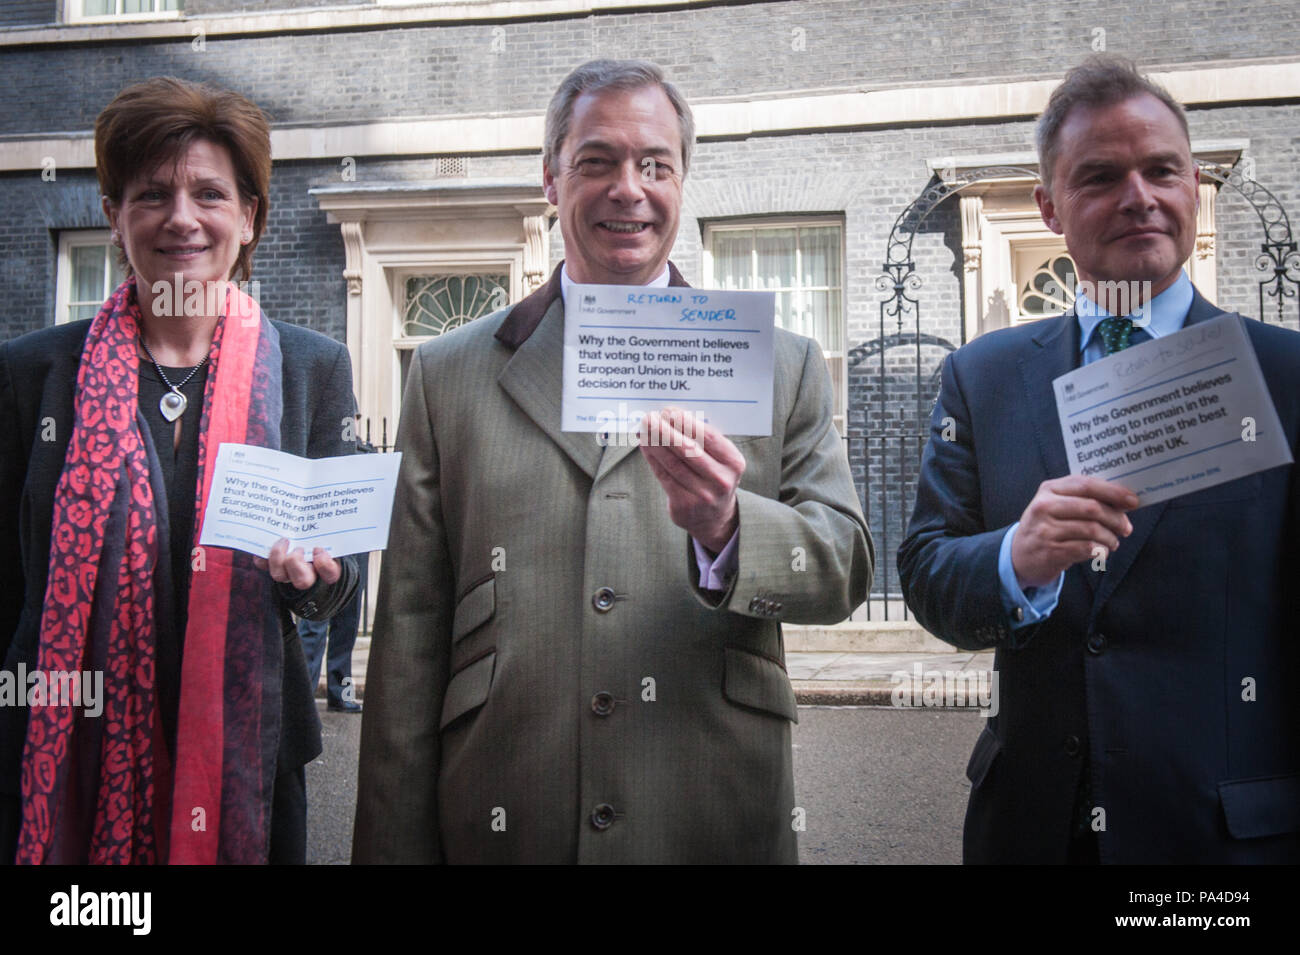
{"type": "Point", "coordinates": [1056, 352]}
{"type": "Point", "coordinates": [534, 376]}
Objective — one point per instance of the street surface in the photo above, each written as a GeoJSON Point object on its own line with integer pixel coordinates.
{"type": "Point", "coordinates": [877, 785]}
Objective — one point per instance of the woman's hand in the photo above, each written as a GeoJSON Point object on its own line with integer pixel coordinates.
{"type": "Point", "coordinates": [292, 568]}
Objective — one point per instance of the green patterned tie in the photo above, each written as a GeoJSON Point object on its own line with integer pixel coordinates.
{"type": "Point", "coordinates": [1114, 333]}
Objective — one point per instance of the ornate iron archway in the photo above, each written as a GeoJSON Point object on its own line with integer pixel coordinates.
{"type": "Point", "coordinates": [891, 456]}
{"type": "Point", "coordinates": [1278, 256]}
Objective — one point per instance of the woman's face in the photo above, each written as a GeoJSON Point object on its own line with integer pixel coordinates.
{"type": "Point", "coordinates": [185, 218]}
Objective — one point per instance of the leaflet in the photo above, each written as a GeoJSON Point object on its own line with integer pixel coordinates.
{"type": "Point", "coordinates": [259, 496]}
{"type": "Point", "coordinates": [629, 350]}
{"type": "Point", "coordinates": [1172, 415]}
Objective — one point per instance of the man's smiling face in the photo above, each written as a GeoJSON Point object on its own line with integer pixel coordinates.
{"type": "Point", "coordinates": [617, 184]}
{"type": "Point", "coordinates": [1124, 192]}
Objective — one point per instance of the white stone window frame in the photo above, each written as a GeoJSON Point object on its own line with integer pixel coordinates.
{"type": "Point", "coordinates": [399, 266]}
{"type": "Point", "coordinates": [68, 240]}
{"type": "Point", "coordinates": [1000, 219]}
{"type": "Point", "coordinates": [393, 230]}
{"type": "Point", "coordinates": [72, 11]}
{"type": "Point", "coordinates": [836, 359]}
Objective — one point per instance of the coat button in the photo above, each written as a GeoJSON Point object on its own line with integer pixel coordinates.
{"type": "Point", "coordinates": [602, 817]}
{"type": "Point", "coordinates": [1097, 643]}
{"type": "Point", "coordinates": [602, 704]}
{"type": "Point", "coordinates": [1072, 746]}
{"type": "Point", "coordinates": [603, 600]}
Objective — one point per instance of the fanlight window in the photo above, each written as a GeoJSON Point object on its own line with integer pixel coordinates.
{"type": "Point", "coordinates": [1050, 290]}
{"type": "Point", "coordinates": [438, 303]}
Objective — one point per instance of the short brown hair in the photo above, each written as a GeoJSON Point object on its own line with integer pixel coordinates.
{"type": "Point", "coordinates": [154, 122]}
{"type": "Point", "coordinates": [597, 75]}
{"type": "Point", "coordinates": [1100, 80]}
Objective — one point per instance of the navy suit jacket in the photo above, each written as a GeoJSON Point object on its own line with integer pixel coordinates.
{"type": "Point", "coordinates": [1143, 672]}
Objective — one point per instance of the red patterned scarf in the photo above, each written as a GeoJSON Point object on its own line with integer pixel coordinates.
{"type": "Point", "coordinates": [102, 789]}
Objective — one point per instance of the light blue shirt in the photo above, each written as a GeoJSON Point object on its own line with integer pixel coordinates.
{"type": "Point", "coordinates": [1163, 315]}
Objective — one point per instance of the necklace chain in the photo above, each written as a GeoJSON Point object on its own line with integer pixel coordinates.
{"type": "Point", "coordinates": [173, 403]}
{"type": "Point", "coordinates": [163, 375]}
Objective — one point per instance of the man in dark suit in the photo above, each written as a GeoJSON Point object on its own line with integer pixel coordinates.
{"type": "Point", "coordinates": [577, 653]}
{"type": "Point", "coordinates": [1145, 654]}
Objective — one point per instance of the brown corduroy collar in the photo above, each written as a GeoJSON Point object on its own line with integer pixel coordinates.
{"type": "Point", "coordinates": [527, 315]}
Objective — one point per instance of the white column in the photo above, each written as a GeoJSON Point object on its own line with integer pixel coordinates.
{"type": "Point", "coordinates": [1201, 266]}
{"type": "Point", "coordinates": [972, 249]}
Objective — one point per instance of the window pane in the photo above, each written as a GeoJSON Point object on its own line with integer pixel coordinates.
{"type": "Point", "coordinates": [169, 5]}
{"type": "Point", "coordinates": [115, 271]}
{"type": "Point", "coordinates": [775, 258]}
{"type": "Point", "coordinates": [1050, 290]}
{"type": "Point", "coordinates": [815, 319]}
{"type": "Point", "coordinates": [88, 273]}
{"type": "Point", "coordinates": [820, 248]}
{"type": "Point", "coordinates": [786, 315]}
{"type": "Point", "coordinates": [137, 6]}
{"type": "Point", "coordinates": [803, 267]}
{"type": "Point", "coordinates": [821, 312]}
{"type": "Point", "coordinates": [96, 8]}
{"type": "Point", "coordinates": [438, 303]}
{"type": "Point", "coordinates": [77, 312]}
{"type": "Point", "coordinates": [732, 260]}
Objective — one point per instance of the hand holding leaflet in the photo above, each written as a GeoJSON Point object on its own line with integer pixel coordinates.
{"type": "Point", "coordinates": [259, 496]}
{"type": "Point", "coordinates": [1172, 415]}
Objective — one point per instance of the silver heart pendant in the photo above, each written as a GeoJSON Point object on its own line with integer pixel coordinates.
{"type": "Point", "coordinates": [172, 405]}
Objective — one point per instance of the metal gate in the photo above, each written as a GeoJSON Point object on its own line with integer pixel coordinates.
{"type": "Point", "coordinates": [898, 370]}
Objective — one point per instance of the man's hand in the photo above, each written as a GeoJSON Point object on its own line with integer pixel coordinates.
{"type": "Point", "coordinates": [1067, 519]}
{"type": "Point", "coordinates": [699, 469]}
{"type": "Point", "coordinates": [293, 568]}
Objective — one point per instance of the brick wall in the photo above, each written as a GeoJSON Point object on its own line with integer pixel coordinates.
{"type": "Point", "coordinates": [867, 176]}
{"type": "Point", "coordinates": [16, 13]}
{"type": "Point", "coordinates": [207, 7]}
{"type": "Point", "coordinates": [711, 51]}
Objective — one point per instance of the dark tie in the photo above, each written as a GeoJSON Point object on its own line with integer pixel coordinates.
{"type": "Point", "coordinates": [1115, 333]}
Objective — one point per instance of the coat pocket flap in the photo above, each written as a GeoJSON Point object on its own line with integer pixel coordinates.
{"type": "Point", "coordinates": [468, 689]}
{"type": "Point", "coordinates": [1261, 807]}
{"type": "Point", "coordinates": [986, 750]}
{"type": "Point", "coordinates": [752, 680]}
{"type": "Point", "coordinates": [475, 609]}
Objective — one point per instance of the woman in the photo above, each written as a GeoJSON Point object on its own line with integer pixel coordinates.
{"type": "Point", "coordinates": [194, 751]}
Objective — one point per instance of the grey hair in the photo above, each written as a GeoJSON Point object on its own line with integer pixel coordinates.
{"type": "Point", "coordinates": [611, 75]}
{"type": "Point", "coordinates": [1100, 80]}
